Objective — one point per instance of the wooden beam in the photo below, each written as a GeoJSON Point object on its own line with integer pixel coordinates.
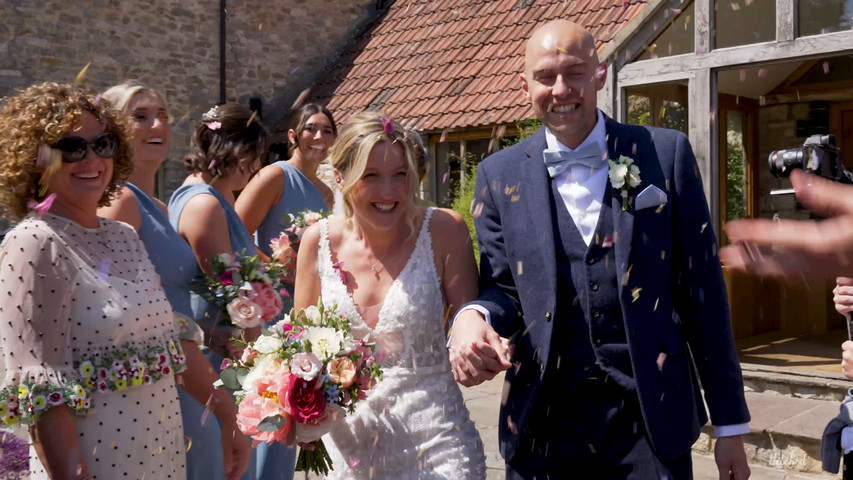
{"type": "Point", "coordinates": [786, 20]}
{"type": "Point", "coordinates": [661, 16]}
{"type": "Point", "coordinates": [702, 125]}
{"type": "Point", "coordinates": [834, 95]}
{"type": "Point", "coordinates": [703, 24]}
{"type": "Point", "coordinates": [605, 98]}
{"type": "Point", "coordinates": [659, 69]}
{"type": "Point", "coordinates": [631, 29]}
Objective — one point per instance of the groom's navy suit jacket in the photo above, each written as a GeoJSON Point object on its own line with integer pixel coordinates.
{"type": "Point", "coordinates": [670, 286]}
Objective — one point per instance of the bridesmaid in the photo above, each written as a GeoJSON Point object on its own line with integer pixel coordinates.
{"type": "Point", "coordinates": [226, 150]}
{"type": "Point", "coordinates": [290, 186]}
{"type": "Point", "coordinates": [278, 189]}
{"type": "Point", "coordinates": [175, 263]}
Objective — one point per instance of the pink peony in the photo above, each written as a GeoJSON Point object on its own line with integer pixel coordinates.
{"type": "Point", "coordinates": [305, 400]}
{"type": "Point", "coordinates": [282, 250]}
{"type": "Point", "coordinates": [253, 409]}
{"type": "Point", "coordinates": [268, 299]}
{"type": "Point", "coordinates": [244, 313]}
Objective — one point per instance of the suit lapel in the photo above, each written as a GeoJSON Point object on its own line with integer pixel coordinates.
{"type": "Point", "coordinates": [536, 191]}
{"type": "Point", "coordinates": [623, 220]}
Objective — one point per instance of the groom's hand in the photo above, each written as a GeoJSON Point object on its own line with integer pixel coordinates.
{"type": "Point", "coordinates": [477, 352]}
{"type": "Point", "coordinates": [731, 458]}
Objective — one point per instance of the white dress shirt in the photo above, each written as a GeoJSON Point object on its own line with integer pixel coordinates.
{"type": "Point", "coordinates": [581, 187]}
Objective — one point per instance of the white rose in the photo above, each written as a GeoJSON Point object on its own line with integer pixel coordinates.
{"type": "Point", "coordinates": [617, 174]}
{"type": "Point", "coordinates": [305, 366]}
{"type": "Point", "coordinates": [313, 315]}
{"type": "Point", "coordinates": [633, 176]}
{"type": "Point", "coordinates": [225, 258]}
{"type": "Point", "coordinates": [311, 218]}
{"type": "Point", "coordinates": [325, 341]}
{"type": "Point", "coordinates": [244, 313]}
{"type": "Point", "coordinates": [268, 344]}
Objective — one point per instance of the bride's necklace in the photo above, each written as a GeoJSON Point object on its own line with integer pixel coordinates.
{"type": "Point", "coordinates": [379, 261]}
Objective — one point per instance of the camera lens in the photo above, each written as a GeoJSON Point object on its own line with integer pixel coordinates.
{"type": "Point", "coordinates": [781, 162]}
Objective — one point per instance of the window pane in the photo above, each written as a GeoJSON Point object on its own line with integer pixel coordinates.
{"type": "Point", "coordinates": [676, 38]}
{"type": "Point", "coordinates": [736, 163]}
{"type": "Point", "coordinates": [825, 16]}
{"type": "Point", "coordinates": [741, 22]}
{"type": "Point", "coordinates": [658, 105]}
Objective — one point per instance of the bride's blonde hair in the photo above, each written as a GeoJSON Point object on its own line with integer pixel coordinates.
{"type": "Point", "coordinates": [351, 150]}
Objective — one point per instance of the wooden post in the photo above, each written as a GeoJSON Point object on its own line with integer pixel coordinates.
{"type": "Point", "coordinates": [702, 114]}
{"type": "Point", "coordinates": [786, 20]}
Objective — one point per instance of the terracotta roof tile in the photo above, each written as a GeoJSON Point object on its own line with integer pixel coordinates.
{"type": "Point", "coordinates": [453, 64]}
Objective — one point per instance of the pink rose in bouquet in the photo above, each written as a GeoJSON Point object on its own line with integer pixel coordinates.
{"type": "Point", "coordinates": [305, 399]}
{"type": "Point", "coordinates": [268, 299]}
{"type": "Point", "coordinates": [342, 370]}
{"type": "Point", "coordinates": [244, 313]}
{"type": "Point", "coordinates": [286, 245]}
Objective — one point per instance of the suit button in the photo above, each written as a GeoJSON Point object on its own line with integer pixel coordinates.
{"type": "Point", "coordinates": [547, 316]}
{"type": "Point", "coordinates": [593, 286]}
{"type": "Point", "coordinates": [590, 260]}
{"type": "Point", "coordinates": [596, 314]}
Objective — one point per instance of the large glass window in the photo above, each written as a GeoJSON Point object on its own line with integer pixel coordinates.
{"type": "Point", "coordinates": [676, 39]}
{"type": "Point", "coordinates": [661, 105]}
{"type": "Point", "coordinates": [742, 22]}
{"type": "Point", "coordinates": [824, 16]}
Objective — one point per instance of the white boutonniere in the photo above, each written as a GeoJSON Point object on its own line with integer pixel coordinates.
{"type": "Point", "coordinates": [624, 176]}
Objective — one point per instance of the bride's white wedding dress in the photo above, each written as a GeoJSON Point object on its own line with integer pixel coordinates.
{"type": "Point", "coordinates": [413, 424]}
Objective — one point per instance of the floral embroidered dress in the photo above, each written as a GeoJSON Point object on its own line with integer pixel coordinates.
{"type": "Point", "coordinates": [85, 323]}
{"type": "Point", "coordinates": [413, 423]}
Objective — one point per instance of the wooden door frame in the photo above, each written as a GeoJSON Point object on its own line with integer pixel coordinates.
{"type": "Point", "coordinates": [749, 108]}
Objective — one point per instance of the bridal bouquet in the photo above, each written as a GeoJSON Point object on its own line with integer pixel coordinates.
{"type": "Point", "coordinates": [245, 289]}
{"type": "Point", "coordinates": [285, 246]}
{"type": "Point", "coordinates": [297, 378]}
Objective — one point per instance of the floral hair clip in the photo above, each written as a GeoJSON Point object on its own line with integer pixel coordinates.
{"type": "Point", "coordinates": [210, 118]}
{"type": "Point", "coordinates": [387, 125]}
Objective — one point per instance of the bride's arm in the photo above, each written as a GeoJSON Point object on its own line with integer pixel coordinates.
{"type": "Point", "coordinates": [454, 259]}
{"type": "Point", "coordinates": [307, 289]}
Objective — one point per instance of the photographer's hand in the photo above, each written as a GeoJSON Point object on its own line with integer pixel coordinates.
{"type": "Point", "coordinates": [793, 250]}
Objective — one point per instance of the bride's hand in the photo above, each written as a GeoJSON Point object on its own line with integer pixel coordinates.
{"type": "Point", "coordinates": [477, 352]}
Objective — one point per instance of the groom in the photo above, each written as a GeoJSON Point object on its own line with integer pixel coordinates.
{"type": "Point", "coordinates": [606, 282]}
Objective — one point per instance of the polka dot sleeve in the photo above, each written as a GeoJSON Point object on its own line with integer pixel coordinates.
{"type": "Point", "coordinates": [35, 327]}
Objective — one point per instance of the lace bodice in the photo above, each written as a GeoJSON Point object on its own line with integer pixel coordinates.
{"type": "Point", "coordinates": [409, 331]}
{"type": "Point", "coordinates": [413, 424]}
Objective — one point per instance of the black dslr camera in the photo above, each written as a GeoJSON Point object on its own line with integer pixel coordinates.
{"type": "Point", "coordinates": [819, 155]}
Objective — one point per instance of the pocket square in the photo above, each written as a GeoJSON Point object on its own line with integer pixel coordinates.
{"type": "Point", "coordinates": [651, 196]}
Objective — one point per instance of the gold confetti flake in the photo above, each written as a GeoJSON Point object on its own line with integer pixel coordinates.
{"type": "Point", "coordinates": [635, 294]}
{"type": "Point", "coordinates": [81, 76]}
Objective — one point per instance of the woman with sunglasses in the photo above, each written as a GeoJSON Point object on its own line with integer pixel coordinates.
{"type": "Point", "coordinates": [148, 119]}
{"type": "Point", "coordinates": [89, 341]}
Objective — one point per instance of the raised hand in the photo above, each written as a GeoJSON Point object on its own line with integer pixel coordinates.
{"type": "Point", "coordinates": [477, 352]}
{"type": "Point", "coordinates": [792, 250]}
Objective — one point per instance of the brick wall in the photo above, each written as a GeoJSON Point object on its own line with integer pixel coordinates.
{"type": "Point", "coordinates": [274, 50]}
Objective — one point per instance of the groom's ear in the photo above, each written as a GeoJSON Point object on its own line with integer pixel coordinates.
{"type": "Point", "coordinates": [524, 87]}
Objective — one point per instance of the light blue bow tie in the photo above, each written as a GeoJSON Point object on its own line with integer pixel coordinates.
{"type": "Point", "coordinates": [558, 161]}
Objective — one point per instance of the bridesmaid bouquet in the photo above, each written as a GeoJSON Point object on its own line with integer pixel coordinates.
{"type": "Point", "coordinates": [245, 289]}
{"type": "Point", "coordinates": [297, 378]}
{"type": "Point", "coordinates": [285, 246]}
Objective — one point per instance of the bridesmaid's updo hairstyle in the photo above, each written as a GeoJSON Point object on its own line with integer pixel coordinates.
{"type": "Point", "coordinates": [349, 154]}
{"type": "Point", "coordinates": [36, 118]}
{"type": "Point", "coordinates": [229, 138]}
{"type": "Point", "coordinates": [301, 117]}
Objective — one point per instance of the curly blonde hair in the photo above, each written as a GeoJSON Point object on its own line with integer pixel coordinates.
{"type": "Point", "coordinates": [41, 115]}
{"type": "Point", "coordinates": [350, 152]}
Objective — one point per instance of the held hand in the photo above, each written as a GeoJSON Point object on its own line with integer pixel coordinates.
{"type": "Point", "coordinates": [236, 451]}
{"type": "Point", "coordinates": [477, 352]}
{"type": "Point", "coordinates": [847, 359]}
{"type": "Point", "coordinates": [731, 458]}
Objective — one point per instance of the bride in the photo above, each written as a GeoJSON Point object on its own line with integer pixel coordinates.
{"type": "Point", "coordinates": [397, 271]}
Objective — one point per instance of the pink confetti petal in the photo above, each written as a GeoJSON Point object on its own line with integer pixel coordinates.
{"type": "Point", "coordinates": [41, 207]}
{"type": "Point", "coordinates": [660, 360]}
{"type": "Point", "coordinates": [387, 125]}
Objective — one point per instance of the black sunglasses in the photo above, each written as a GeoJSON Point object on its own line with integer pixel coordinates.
{"type": "Point", "coordinates": [74, 148]}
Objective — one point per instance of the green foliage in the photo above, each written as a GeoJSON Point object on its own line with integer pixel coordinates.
{"type": "Point", "coordinates": [735, 183]}
{"type": "Point", "coordinates": [462, 193]}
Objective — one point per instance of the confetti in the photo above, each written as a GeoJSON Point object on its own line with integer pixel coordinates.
{"type": "Point", "coordinates": [826, 67]}
{"type": "Point", "coordinates": [635, 294]}
{"type": "Point", "coordinates": [656, 305]}
{"type": "Point", "coordinates": [252, 118]}
{"type": "Point", "coordinates": [520, 268]}
{"type": "Point", "coordinates": [660, 360]}
{"type": "Point", "coordinates": [301, 98]}
{"type": "Point", "coordinates": [81, 76]}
